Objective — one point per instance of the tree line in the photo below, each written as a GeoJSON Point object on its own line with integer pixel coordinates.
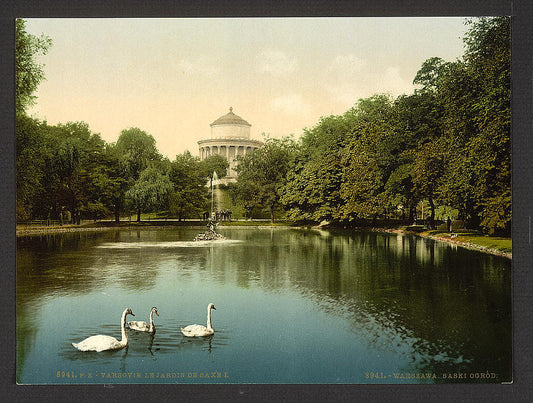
{"type": "Point", "coordinates": [66, 172]}
{"type": "Point", "coordinates": [447, 145]}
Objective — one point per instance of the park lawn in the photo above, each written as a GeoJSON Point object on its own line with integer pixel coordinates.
{"type": "Point", "coordinates": [496, 243]}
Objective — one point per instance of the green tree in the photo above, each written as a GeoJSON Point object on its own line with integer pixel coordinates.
{"type": "Point", "coordinates": [214, 163]}
{"type": "Point", "coordinates": [264, 171]}
{"type": "Point", "coordinates": [189, 177]}
{"type": "Point", "coordinates": [138, 151]}
{"type": "Point", "coordinates": [71, 167]}
{"type": "Point", "coordinates": [134, 151]}
{"type": "Point", "coordinates": [368, 159]}
{"type": "Point", "coordinates": [431, 73]}
{"type": "Point", "coordinates": [31, 150]}
{"type": "Point", "coordinates": [111, 183]}
{"type": "Point", "coordinates": [489, 55]}
{"type": "Point", "coordinates": [30, 141]}
{"type": "Point", "coordinates": [312, 187]}
{"type": "Point", "coordinates": [454, 94]}
{"type": "Point", "coordinates": [476, 95]}
{"type": "Point", "coordinates": [28, 73]}
{"type": "Point", "coordinates": [362, 186]}
{"type": "Point", "coordinates": [57, 168]}
{"type": "Point", "coordinates": [417, 121]}
{"type": "Point", "coordinates": [150, 191]}
{"type": "Point", "coordinates": [246, 194]}
{"type": "Point", "coordinates": [427, 171]}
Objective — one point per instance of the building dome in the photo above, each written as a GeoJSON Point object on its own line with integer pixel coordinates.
{"type": "Point", "coordinates": [230, 126]}
{"type": "Point", "coordinates": [230, 119]}
{"type": "Point", "coordinates": [230, 138]}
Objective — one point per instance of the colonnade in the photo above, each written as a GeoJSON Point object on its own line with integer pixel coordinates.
{"type": "Point", "coordinates": [229, 152]}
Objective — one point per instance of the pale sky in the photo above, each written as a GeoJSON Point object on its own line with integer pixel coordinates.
{"type": "Point", "coordinates": [173, 77]}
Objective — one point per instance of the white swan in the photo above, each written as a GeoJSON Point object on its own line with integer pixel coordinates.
{"type": "Point", "coordinates": [142, 326]}
{"type": "Point", "coordinates": [103, 343]}
{"type": "Point", "coordinates": [199, 330]}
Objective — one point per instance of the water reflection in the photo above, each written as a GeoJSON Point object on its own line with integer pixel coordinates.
{"type": "Point", "coordinates": [205, 343]}
{"type": "Point", "coordinates": [428, 306]}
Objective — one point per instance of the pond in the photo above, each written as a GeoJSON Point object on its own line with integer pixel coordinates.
{"type": "Point", "coordinates": [292, 306]}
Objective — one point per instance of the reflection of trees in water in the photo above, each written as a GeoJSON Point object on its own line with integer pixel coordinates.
{"type": "Point", "coordinates": [67, 264]}
{"type": "Point", "coordinates": [37, 278]}
{"type": "Point", "coordinates": [428, 291]}
{"type": "Point", "coordinates": [80, 268]}
{"type": "Point", "coordinates": [418, 293]}
{"type": "Point", "coordinates": [71, 257]}
{"type": "Point", "coordinates": [26, 336]}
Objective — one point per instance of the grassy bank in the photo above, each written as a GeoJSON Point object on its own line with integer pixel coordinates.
{"type": "Point", "coordinates": [474, 239]}
{"type": "Point", "coordinates": [467, 238]}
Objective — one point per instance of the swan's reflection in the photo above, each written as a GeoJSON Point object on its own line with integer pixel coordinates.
{"type": "Point", "coordinates": [205, 343]}
{"type": "Point", "coordinates": [123, 360]}
{"type": "Point", "coordinates": [142, 341]}
{"type": "Point", "coordinates": [151, 343]}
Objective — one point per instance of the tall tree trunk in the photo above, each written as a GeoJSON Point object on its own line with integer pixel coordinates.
{"type": "Point", "coordinates": [117, 210]}
{"type": "Point", "coordinates": [412, 212]}
{"type": "Point", "coordinates": [432, 214]}
{"type": "Point", "coordinates": [138, 215]}
{"type": "Point", "coordinates": [73, 210]}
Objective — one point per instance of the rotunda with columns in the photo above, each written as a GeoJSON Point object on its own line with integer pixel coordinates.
{"type": "Point", "coordinates": [230, 138]}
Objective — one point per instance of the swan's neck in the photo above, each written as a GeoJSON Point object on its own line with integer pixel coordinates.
{"type": "Point", "coordinates": [124, 339]}
{"type": "Point", "coordinates": [151, 320]}
{"type": "Point", "coordinates": [209, 326]}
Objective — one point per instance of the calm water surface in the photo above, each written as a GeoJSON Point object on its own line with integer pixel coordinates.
{"type": "Point", "coordinates": [293, 306]}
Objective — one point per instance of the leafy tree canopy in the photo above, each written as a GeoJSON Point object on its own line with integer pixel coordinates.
{"type": "Point", "coordinates": [28, 72]}
{"type": "Point", "coordinates": [214, 163]}
{"type": "Point", "coordinates": [137, 150]}
{"type": "Point", "coordinates": [150, 191]}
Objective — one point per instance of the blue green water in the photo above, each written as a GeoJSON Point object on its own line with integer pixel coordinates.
{"type": "Point", "coordinates": [293, 306]}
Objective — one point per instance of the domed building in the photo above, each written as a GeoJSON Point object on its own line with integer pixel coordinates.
{"type": "Point", "coordinates": [230, 138]}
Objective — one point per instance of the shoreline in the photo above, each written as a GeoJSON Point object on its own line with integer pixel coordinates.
{"type": "Point", "coordinates": [26, 231]}
{"type": "Point", "coordinates": [448, 240]}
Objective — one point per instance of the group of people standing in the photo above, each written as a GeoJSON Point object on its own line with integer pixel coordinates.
{"type": "Point", "coordinates": [222, 215]}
